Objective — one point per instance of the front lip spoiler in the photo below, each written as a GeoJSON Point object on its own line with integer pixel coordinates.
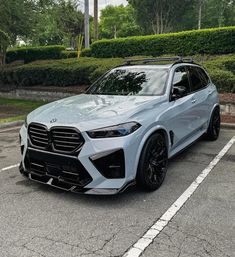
{"type": "Point", "coordinates": [78, 190]}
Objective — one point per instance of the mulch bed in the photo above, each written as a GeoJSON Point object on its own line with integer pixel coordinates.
{"type": "Point", "coordinates": [227, 98]}
{"type": "Point", "coordinates": [228, 119]}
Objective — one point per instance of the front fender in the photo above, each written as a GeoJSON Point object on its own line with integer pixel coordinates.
{"type": "Point", "coordinates": [148, 132]}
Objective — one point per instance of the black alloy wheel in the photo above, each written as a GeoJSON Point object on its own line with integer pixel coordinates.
{"type": "Point", "coordinates": [214, 126]}
{"type": "Point", "coordinates": [153, 163]}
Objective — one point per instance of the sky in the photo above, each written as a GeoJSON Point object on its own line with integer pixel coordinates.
{"type": "Point", "coordinates": [103, 3]}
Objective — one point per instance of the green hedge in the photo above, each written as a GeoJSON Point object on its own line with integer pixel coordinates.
{"type": "Point", "coordinates": [86, 52]}
{"type": "Point", "coordinates": [30, 54]}
{"type": "Point", "coordinates": [84, 71]}
{"type": "Point", "coordinates": [65, 72]}
{"type": "Point", "coordinates": [68, 54]}
{"type": "Point", "coordinates": [222, 72]}
{"type": "Point", "coordinates": [207, 41]}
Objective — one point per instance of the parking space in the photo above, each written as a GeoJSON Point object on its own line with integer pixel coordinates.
{"type": "Point", "coordinates": [37, 220]}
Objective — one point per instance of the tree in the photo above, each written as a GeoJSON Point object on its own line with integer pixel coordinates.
{"type": "Point", "coordinates": [17, 18]}
{"type": "Point", "coordinates": [59, 22]}
{"type": "Point", "coordinates": [4, 43]}
{"type": "Point", "coordinates": [162, 16]}
{"type": "Point", "coordinates": [218, 13]}
{"type": "Point", "coordinates": [70, 20]}
{"type": "Point", "coordinates": [159, 16]}
{"type": "Point", "coordinates": [118, 21]}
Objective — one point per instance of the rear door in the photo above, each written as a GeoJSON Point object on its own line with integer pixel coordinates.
{"type": "Point", "coordinates": [201, 105]}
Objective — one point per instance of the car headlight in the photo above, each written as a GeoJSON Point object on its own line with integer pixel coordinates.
{"type": "Point", "coordinates": [120, 130]}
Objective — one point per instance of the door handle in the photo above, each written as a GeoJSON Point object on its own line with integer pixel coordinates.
{"type": "Point", "coordinates": [209, 92]}
{"type": "Point", "coordinates": [194, 101]}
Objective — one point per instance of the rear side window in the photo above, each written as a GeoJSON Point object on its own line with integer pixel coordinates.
{"type": "Point", "coordinates": [198, 78]}
{"type": "Point", "coordinates": [181, 78]}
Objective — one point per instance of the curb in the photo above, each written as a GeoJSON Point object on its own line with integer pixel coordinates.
{"type": "Point", "coordinates": [11, 124]}
{"type": "Point", "coordinates": [228, 125]}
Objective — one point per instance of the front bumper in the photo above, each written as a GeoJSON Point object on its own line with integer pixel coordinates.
{"type": "Point", "coordinates": [84, 173]}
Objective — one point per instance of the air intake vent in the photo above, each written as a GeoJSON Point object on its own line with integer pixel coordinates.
{"type": "Point", "coordinates": [57, 139]}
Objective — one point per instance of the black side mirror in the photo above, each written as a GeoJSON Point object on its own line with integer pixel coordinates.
{"type": "Point", "coordinates": [178, 92]}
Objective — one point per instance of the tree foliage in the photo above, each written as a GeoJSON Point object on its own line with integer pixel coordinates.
{"type": "Point", "coordinates": [17, 18]}
{"type": "Point", "coordinates": [162, 16]}
{"type": "Point", "coordinates": [59, 22]}
{"type": "Point", "coordinates": [118, 21]}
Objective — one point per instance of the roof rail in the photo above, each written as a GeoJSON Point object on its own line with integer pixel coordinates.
{"type": "Point", "coordinates": [175, 59]}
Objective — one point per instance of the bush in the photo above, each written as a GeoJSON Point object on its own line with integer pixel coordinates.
{"type": "Point", "coordinates": [68, 54]}
{"type": "Point", "coordinates": [30, 54]}
{"type": "Point", "coordinates": [68, 72]}
{"type": "Point", "coordinates": [222, 72]}
{"type": "Point", "coordinates": [84, 71]}
{"type": "Point", "coordinates": [86, 52]}
{"type": "Point", "coordinates": [207, 41]}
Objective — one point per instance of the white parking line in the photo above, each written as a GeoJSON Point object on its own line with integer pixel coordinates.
{"type": "Point", "coordinates": [10, 167]}
{"type": "Point", "coordinates": [138, 248]}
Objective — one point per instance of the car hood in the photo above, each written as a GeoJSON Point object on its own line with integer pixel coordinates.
{"type": "Point", "coordinates": [92, 111]}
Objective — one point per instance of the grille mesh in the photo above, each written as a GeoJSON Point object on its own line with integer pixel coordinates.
{"type": "Point", "coordinates": [57, 139]}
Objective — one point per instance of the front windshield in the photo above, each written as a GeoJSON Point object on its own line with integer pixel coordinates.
{"type": "Point", "coordinates": [131, 81]}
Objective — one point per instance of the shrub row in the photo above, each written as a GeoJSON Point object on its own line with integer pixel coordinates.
{"type": "Point", "coordinates": [222, 72]}
{"type": "Point", "coordinates": [65, 72]}
{"type": "Point", "coordinates": [85, 70]}
{"type": "Point", "coordinates": [68, 54]}
{"type": "Point", "coordinates": [207, 41]}
{"type": "Point", "coordinates": [30, 54]}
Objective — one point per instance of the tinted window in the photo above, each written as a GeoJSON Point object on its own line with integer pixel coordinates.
{"type": "Point", "coordinates": [181, 79]}
{"type": "Point", "coordinates": [203, 76]}
{"type": "Point", "coordinates": [198, 78]}
{"type": "Point", "coordinates": [131, 81]}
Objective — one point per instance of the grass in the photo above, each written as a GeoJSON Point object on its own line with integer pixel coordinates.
{"type": "Point", "coordinates": [17, 109]}
{"type": "Point", "coordinates": [11, 119]}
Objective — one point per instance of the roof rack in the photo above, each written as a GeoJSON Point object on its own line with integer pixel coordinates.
{"type": "Point", "coordinates": [176, 59]}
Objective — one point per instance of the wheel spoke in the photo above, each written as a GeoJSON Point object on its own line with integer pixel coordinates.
{"type": "Point", "coordinates": [157, 161]}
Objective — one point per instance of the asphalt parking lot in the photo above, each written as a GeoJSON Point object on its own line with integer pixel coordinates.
{"type": "Point", "coordinates": [40, 221]}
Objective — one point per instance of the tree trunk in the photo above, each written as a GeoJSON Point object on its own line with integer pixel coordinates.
{"type": "Point", "coordinates": [200, 15]}
{"type": "Point", "coordinates": [115, 31]}
{"type": "Point", "coordinates": [96, 20]}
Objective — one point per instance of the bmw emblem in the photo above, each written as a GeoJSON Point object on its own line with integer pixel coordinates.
{"type": "Point", "coordinates": [53, 120]}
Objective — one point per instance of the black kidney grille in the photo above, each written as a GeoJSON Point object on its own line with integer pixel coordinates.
{"type": "Point", "coordinates": [57, 139]}
{"type": "Point", "coordinates": [39, 135]}
{"type": "Point", "coordinates": [66, 139]}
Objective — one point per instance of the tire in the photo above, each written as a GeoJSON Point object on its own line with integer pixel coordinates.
{"type": "Point", "coordinates": [214, 127]}
{"type": "Point", "coordinates": [153, 163]}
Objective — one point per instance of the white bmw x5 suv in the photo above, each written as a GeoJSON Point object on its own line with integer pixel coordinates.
{"type": "Point", "coordinates": [123, 129]}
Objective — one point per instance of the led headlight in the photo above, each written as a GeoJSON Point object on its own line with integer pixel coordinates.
{"type": "Point", "coordinates": [120, 130]}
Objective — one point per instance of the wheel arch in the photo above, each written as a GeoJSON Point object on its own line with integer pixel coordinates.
{"type": "Point", "coordinates": [148, 134]}
{"type": "Point", "coordinates": [215, 106]}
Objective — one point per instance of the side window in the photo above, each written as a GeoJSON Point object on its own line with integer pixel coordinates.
{"type": "Point", "coordinates": [198, 77]}
{"type": "Point", "coordinates": [181, 79]}
{"type": "Point", "coordinates": [203, 76]}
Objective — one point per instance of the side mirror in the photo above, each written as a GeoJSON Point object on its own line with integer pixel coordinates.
{"type": "Point", "coordinates": [178, 92]}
